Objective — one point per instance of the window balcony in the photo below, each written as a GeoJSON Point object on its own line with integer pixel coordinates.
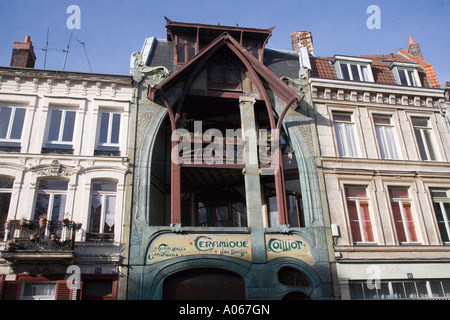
{"type": "Point", "coordinates": [39, 240]}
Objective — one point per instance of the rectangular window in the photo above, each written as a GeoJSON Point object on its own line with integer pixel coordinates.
{"type": "Point", "coordinates": [108, 133]}
{"type": "Point", "coordinates": [6, 185]}
{"type": "Point", "coordinates": [103, 210]}
{"type": "Point", "coordinates": [61, 129]}
{"type": "Point", "coordinates": [423, 133]}
{"type": "Point", "coordinates": [403, 219]}
{"type": "Point", "coordinates": [355, 72]}
{"type": "Point", "coordinates": [407, 77]}
{"type": "Point", "coordinates": [345, 134]}
{"type": "Point", "coordinates": [359, 215]}
{"type": "Point", "coordinates": [386, 137]}
{"type": "Point", "coordinates": [417, 289]}
{"type": "Point", "coordinates": [11, 123]}
{"type": "Point", "coordinates": [185, 47]}
{"type": "Point", "coordinates": [38, 291]}
{"type": "Point", "coordinates": [51, 199]}
{"type": "Point", "coordinates": [441, 205]}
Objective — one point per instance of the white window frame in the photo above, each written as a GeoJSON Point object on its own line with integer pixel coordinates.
{"type": "Point", "coordinates": [397, 67]}
{"type": "Point", "coordinates": [104, 195]}
{"type": "Point", "coordinates": [445, 214]}
{"type": "Point", "coordinates": [11, 123]}
{"type": "Point", "coordinates": [390, 154]}
{"type": "Point", "coordinates": [346, 62]}
{"type": "Point", "coordinates": [108, 143]}
{"type": "Point", "coordinates": [400, 202]}
{"type": "Point", "coordinates": [64, 111]}
{"type": "Point", "coordinates": [426, 147]}
{"type": "Point", "coordinates": [347, 150]}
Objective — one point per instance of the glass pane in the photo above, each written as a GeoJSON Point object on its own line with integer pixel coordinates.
{"type": "Point", "coordinates": [16, 131]}
{"type": "Point", "coordinates": [401, 74]}
{"type": "Point", "coordinates": [381, 142]}
{"type": "Point", "coordinates": [69, 126]}
{"type": "Point", "coordinates": [181, 51]}
{"type": "Point", "coordinates": [430, 144]}
{"type": "Point", "coordinates": [410, 289]}
{"type": "Point", "coordinates": [383, 292]}
{"type": "Point", "coordinates": [53, 184]}
{"type": "Point", "coordinates": [6, 183]}
{"type": "Point", "coordinates": [5, 115]}
{"type": "Point", "coordinates": [441, 221]}
{"type": "Point", "coordinates": [411, 78]}
{"type": "Point", "coordinates": [359, 192]}
{"type": "Point", "coordinates": [436, 288]}
{"type": "Point", "coordinates": [355, 72]}
{"type": "Point", "coordinates": [344, 69]}
{"type": "Point", "coordinates": [59, 205]}
{"type": "Point", "coordinates": [367, 224]}
{"type": "Point", "coordinates": [356, 291]}
{"type": "Point", "coordinates": [115, 130]}
{"type": "Point", "coordinates": [110, 214]}
{"type": "Point", "coordinates": [354, 221]}
{"type": "Point", "coordinates": [221, 213]}
{"type": "Point", "coordinates": [365, 73]}
{"type": "Point", "coordinates": [420, 122]}
{"type": "Point", "coordinates": [273, 212]}
{"type": "Point", "coordinates": [398, 290]}
{"type": "Point", "coordinates": [422, 289]}
{"type": "Point", "coordinates": [398, 222]}
{"type": "Point", "coordinates": [39, 289]}
{"type": "Point", "coordinates": [41, 207]}
{"type": "Point", "coordinates": [97, 289]}
{"type": "Point", "coordinates": [446, 287]}
{"type": "Point", "coordinates": [104, 185]}
{"type": "Point", "coordinates": [104, 124]}
{"type": "Point", "coordinates": [420, 144]}
{"type": "Point", "coordinates": [5, 200]}
{"type": "Point", "coordinates": [292, 211]}
{"type": "Point", "coordinates": [55, 125]}
{"type": "Point", "coordinates": [96, 212]}
{"type": "Point", "coordinates": [239, 214]}
{"type": "Point", "coordinates": [204, 214]}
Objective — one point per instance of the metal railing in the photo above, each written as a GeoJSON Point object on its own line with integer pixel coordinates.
{"type": "Point", "coordinates": [36, 235]}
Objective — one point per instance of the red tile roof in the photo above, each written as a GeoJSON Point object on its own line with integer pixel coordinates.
{"type": "Point", "coordinates": [323, 68]}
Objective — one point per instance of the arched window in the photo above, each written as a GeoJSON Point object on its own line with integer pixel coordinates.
{"type": "Point", "coordinates": [292, 277]}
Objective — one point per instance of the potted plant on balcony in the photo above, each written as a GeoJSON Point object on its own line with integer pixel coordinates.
{"type": "Point", "coordinates": [24, 222]}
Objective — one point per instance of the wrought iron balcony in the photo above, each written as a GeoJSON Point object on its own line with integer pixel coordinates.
{"type": "Point", "coordinates": [40, 236]}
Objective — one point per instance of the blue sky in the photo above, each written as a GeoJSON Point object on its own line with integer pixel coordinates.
{"type": "Point", "coordinates": [113, 29]}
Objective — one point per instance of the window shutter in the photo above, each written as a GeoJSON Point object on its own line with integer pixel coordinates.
{"type": "Point", "coordinates": [11, 290]}
{"type": "Point", "coordinates": [62, 291]}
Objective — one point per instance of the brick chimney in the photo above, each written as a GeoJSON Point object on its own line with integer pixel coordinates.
{"type": "Point", "coordinates": [414, 49]}
{"type": "Point", "coordinates": [302, 39]}
{"type": "Point", "coordinates": [23, 54]}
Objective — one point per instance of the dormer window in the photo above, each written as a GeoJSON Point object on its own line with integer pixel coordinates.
{"type": "Point", "coordinates": [405, 74]}
{"type": "Point", "coordinates": [353, 69]}
{"type": "Point", "coordinates": [185, 48]}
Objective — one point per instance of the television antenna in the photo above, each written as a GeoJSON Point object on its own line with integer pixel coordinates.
{"type": "Point", "coordinates": [65, 51]}
{"type": "Point", "coordinates": [85, 52]}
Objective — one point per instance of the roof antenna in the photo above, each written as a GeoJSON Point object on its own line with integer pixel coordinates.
{"type": "Point", "coordinates": [67, 51]}
{"type": "Point", "coordinates": [46, 49]}
{"type": "Point", "coordinates": [85, 52]}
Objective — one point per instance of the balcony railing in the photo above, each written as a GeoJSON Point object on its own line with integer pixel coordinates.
{"type": "Point", "coordinates": [36, 235]}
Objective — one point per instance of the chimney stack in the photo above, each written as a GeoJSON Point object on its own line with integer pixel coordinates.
{"type": "Point", "coordinates": [302, 39]}
{"type": "Point", "coordinates": [23, 54]}
{"type": "Point", "coordinates": [414, 49]}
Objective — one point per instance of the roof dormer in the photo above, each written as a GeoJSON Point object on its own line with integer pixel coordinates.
{"type": "Point", "coordinates": [353, 68]}
{"type": "Point", "coordinates": [405, 74]}
{"type": "Point", "coordinates": [190, 38]}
